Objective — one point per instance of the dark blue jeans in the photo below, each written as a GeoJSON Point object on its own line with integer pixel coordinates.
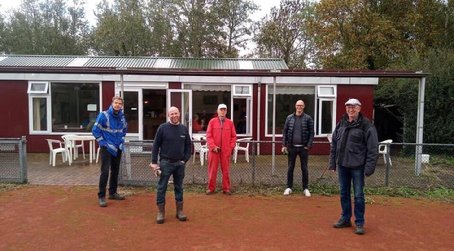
{"type": "Point", "coordinates": [108, 162]}
{"type": "Point", "coordinates": [293, 152]}
{"type": "Point", "coordinates": [346, 177]}
{"type": "Point", "coordinates": [168, 169]}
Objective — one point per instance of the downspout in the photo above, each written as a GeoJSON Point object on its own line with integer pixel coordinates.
{"type": "Point", "coordinates": [258, 115]}
{"type": "Point", "coordinates": [273, 150]}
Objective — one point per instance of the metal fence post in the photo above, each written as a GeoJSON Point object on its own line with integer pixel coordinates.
{"type": "Point", "coordinates": [254, 149]}
{"type": "Point", "coordinates": [23, 159]}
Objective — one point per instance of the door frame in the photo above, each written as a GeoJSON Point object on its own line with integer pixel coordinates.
{"type": "Point", "coordinates": [169, 93]}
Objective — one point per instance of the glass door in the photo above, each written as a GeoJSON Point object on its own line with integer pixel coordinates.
{"type": "Point", "coordinates": [132, 109]}
{"type": "Point", "coordinates": [182, 99]}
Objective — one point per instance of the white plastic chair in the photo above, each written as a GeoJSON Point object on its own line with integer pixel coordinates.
{"type": "Point", "coordinates": [73, 146]}
{"type": "Point", "coordinates": [200, 148]}
{"type": "Point", "coordinates": [383, 148]}
{"type": "Point", "coordinates": [239, 147]}
{"type": "Point", "coordinates": [56, 146]}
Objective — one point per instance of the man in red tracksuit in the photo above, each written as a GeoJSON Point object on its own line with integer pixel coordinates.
{"type": "Point", "coordinates": [221, 139]}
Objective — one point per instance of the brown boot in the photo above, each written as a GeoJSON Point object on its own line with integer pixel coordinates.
{"type": "Point", "coordinates": [161, 213]}
{"type": "Point", "coordinates": [180, 214]}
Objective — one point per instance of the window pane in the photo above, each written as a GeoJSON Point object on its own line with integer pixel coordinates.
{"type": "Point", "coordinates": [326, 91]}
{"type": "Point", "coordinates": [70, 102]}
{"type": "Point", "coordinates": [39, 114]}
{"type": "Point", "coordinates": [131, 110]}
{"type": "Point", "coordinates": [37, 87]}
{"type": "Point", "coordinates": [286, 98]}
{"type": "Point", "coordinates": [327, 117]}
{"type": "Point", "coordinates": [240, 115]}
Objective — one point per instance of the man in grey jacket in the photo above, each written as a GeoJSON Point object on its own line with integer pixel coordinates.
{"type": "Point", "coordinates": [297, 138]}
{"type": "Point", "coordinates": [354, 150]}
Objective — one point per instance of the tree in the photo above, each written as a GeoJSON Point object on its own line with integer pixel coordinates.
{"type": "Point", "coordinates": [122, 29]}
{"type": "Point", "coordinates": [47, 27]}
{"type": "Point", "coordinates": [238, 25]}
{"type": "Point", "coordinates": [2, 34]}
{"type": "Point", "coordinates": [159, 18]}
{"type": "Point", "coordinates": [284, 33]}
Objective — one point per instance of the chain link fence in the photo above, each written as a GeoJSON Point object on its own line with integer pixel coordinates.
{"type": "Point", "coordinates": [436, 167]}
{"type": "Point", "coordinates": [13, 160]}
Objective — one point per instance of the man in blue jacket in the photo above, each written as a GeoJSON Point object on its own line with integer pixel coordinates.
{"type": "Point", "coordinates": [172, 144]}
{"type": "Point", "coordinates": [110, 130]}
{"type": "Point", "coordinates": [354, 150]}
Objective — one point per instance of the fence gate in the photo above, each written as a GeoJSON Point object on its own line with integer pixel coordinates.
{"type": "Point", "coordinates": [13, 160]}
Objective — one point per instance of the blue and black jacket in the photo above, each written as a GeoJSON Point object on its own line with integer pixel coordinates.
{"type": "Point", "coordinates": [110, 130]}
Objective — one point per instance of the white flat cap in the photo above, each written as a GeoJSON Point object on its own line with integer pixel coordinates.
{"type": "Point", "coordinates": [353, 101]}
{"type": "Point", "coordinates": [222, 106]}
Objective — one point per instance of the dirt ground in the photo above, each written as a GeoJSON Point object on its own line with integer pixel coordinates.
{"type": "Point", "coordinates": [69, 218]}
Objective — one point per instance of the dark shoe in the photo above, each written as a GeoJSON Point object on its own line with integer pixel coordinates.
{"type": "Point", "coordinates": [227, 192]}
{"type": "Point", "coordinates": [342, 223]}
{"type": "Point", "coordinates": [116, 196]}
{"type": "Point", "coordinates": [180, 215]}
{"type": "Point", "coordinates": [161, 214]}
{"type": "Point", "coordinates": [208, 192]}
{"type": "Point", "coordinates": [359, 230]}
{"type": "Point", "coordinates": [102, 202]}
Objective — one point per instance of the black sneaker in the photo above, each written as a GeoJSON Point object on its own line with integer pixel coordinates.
{"type": "Point", "coordinates": [342, 223]}
{"type": "Point", "coordinates": [116, 196]}
{"type": "Point", "coordinates": [102, 202]}
{"type": "Point", "coordinates": [359, 230]}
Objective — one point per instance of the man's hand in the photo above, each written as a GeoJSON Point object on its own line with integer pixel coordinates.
{"type": "Point", "coordinates": [216, 149]}
{"type": "Point", "coordinates": [156, 169]}
{"type": "Point", "coordinates": [284, 150]}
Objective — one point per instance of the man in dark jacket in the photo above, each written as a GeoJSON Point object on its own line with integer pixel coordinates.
{"type": "Point", "coordinates": [354, 150]}
{"type": "Point", "coordinates": [297, 137]}
{"type": "Point", "coordinates": [110, 131]}
{"type": "Point", "coordinates": [173, 145]}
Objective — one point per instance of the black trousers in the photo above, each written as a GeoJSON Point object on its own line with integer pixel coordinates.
{"type": "Point", "coordinates": [293, 152]}
{"type": "Point", "coordinates": [108, 162]}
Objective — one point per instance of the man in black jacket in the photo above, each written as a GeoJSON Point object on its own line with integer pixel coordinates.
{"type": "Point", "coordinates": [297, 137]}
{"type": "Point", "coordinates": [354, 150]}
{"type": "Point", "coordinates": [173, 145]}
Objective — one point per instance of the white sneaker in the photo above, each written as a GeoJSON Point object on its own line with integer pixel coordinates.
{"type": "Point", "coordinates": [287, 191]}
{"type": "Point", "coordinates": [307, 193]}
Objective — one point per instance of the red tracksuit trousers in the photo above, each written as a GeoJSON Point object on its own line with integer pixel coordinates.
{"type": "Point", "coordinates": [213, 163]}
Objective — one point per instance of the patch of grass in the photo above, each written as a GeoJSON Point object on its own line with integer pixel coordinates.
{"type": "Point", "coordinates": [5, 187]}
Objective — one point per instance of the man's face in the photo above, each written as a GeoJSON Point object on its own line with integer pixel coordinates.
{"type": "Point", "coordinates": [222, 112]}
{"type": "Point", "coordinates": [299, 106]}
{"type": "Point", "coordinates": [352, 111]}
{"type": "Point", "coordinates": [174, 115]}
{"type": "Point", "coordinates": [117, 104]}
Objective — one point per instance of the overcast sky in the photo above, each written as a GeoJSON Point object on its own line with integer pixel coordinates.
{"type": "Point", "coordinates": [265, 6]}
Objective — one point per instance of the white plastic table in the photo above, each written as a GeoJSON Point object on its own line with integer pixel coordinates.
{"type": "Point", "coordinates": [90, 138]}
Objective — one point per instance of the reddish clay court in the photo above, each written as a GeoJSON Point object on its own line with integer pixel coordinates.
{"type": "Point", "coordinates": [69, 218]}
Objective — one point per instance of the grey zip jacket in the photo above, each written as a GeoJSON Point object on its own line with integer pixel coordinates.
{"type": "Point", "coordinates": [354, 145]}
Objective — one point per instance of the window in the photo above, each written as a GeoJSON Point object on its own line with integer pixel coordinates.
{"type": "Point", "coordinates": [326, 109]}
{"type": "Point", "coordinates": [70, 102]}
{"type": "Point", "coordinates": [205, 101]}
{"type": "Point", "coordinates": [286, 97]}
{"type": "Point", "coordinates": [63, 107]}
{"type": "Point", "coordinates": [326, 117]}
{"type": "Point", "coordinates": [38, 114]}
{"type": "Point", "coordinates": [327, 91]}
{"type": "Point", "coordinates": [38, 87]}
{"type": "Point", "coordinates": [242, 90]}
